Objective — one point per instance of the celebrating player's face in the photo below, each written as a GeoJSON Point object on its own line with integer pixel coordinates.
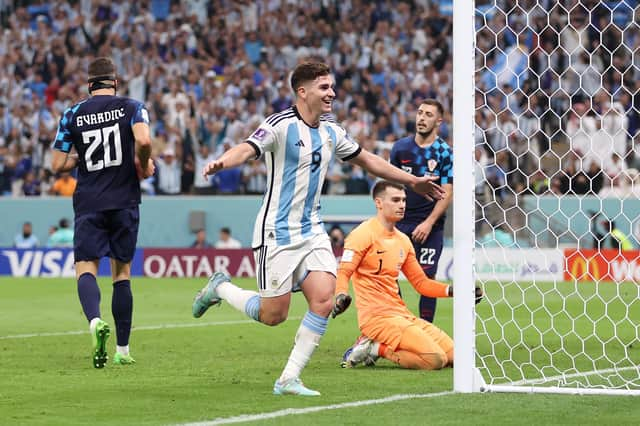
{"type": "Point", "coordinates": [428, 120]}
{"type": "Point", "coordinates": [392, 203]}
{"type": "Point", "coordinates": [321, 95]}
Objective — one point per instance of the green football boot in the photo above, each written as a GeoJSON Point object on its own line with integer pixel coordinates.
{"type": "Point", "coordinates": [99, 339]}
{"type": "Point", "coordinates": [120, 359]}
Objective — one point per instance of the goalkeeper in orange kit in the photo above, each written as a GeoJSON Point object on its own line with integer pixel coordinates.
{"type": "Point", "coordinates": [374, 254]}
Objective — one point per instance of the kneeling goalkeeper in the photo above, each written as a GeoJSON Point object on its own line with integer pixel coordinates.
{"type": "Point", "coordinates": [374, 253]}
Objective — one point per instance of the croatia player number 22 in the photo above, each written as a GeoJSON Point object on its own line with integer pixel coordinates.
{"type": "Point", "coordinates": [426, 256]}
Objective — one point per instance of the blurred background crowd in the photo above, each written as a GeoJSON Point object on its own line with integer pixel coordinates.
{"type": "Point", "coordinates": [209, 72]}
{"type": "Point", "coordinates": [557, 101]}
{"type": "Point", "coordinates": [557, 106]}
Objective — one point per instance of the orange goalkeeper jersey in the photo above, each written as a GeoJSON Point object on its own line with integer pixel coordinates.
{"type": "Point", "coordinates": [373, 258]}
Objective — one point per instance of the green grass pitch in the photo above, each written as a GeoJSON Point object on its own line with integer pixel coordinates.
{"type": "Point", "coordinates": [223, 366]}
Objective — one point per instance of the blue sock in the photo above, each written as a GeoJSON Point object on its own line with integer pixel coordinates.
{"type": "Point", "coordinates": [427, 308]}
{"type": "Point", "coordinates": [122, 309]}
{"type": "Point", "coordinates": [252, 308]}
{"type": "Point", "coordinates": [89, 294]}
{"type": "Point", "coordinates": [315, 323]}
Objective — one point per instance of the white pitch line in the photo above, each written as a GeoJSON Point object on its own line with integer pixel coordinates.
{"type": "Point", "coordinates": [144, 327]}
{"type": "Point", "coordinates": [296, 411]}
{"type": "Point", "coordinates": [543, 380]}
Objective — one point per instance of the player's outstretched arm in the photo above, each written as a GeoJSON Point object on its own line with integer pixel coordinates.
{"type": "Point", "coordinates": [236, 156]}
{"type": "Point", "coordinates": [423, 284]}
{"type": "Point", "coordinates": [376, 165]}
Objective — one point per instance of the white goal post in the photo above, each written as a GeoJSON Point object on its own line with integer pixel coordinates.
{"type": "Point", "coordinates": [544, 97]}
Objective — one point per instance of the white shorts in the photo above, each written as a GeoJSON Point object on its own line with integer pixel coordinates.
{"type": "Point", "coordinates": [282, 269]}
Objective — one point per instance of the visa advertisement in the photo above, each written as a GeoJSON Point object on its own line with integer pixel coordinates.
{"type": "Point", "coordinates": [493, 264]}
{"type": "Point", "coordinates": [160, 262]}
{"type": "Point", "coordinates": [52, 262]}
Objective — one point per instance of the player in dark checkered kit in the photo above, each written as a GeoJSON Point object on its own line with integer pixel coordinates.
{"type": "Point", "coordinates": [107, 138]}
{"type": "Point", "coordinates": [426, 154]}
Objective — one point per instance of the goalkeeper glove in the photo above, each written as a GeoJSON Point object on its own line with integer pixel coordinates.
{"type": "Point", "coordinates": [341, 304]}
{"type": "Point", "coordinates": [479, 294]}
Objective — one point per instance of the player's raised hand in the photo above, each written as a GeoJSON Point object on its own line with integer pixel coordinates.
{"type": "Point", "coordinates": [427, 186]}
{"type": "Point", "coordinates": [212, 168]}
{"type": "Point", "coordinates": [341, 304]}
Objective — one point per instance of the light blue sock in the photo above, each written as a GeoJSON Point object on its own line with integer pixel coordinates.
{"type": "Point", "coordinates": [252, 308]}
{"type": "Point", "coordinates": [315, 323]}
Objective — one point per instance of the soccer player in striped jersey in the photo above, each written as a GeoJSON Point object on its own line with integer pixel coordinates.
{"type": "Point", "coordinates": [110, 137]}
{"type": "Point", "coordinates": [426, 154]}
{"type": "Point", "coordinates": [291, 247]}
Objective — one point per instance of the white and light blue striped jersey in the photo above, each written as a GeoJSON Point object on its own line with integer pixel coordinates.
{"type": "Point", "coordinates": [297, 157]}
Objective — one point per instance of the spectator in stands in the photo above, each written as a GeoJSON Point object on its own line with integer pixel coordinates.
{"type": "Point", "coordinates": [337, 240]}
{"type": "Point", "coordinates": [169, 173]}
{"type": "Point", "coordinates": [357, 182]}
{"type": "Point", "coordinates": [63, 235]}
{"type": "Point", "coordinates": [202, 185]}
{"type": "Point", "coordinates": [226, 241]}
{"type": "Point", "coordinates": [496, 174]}
{"type": "Point", "coordinates": [254, 177]}
{"type": "Point", "coordinates": [30, 185]}
{"type": "Point", "coordinates": [46, 180]}
{"type": "Point", "coordinates": [500, 236]}
{"type": "Point", "coordinates": [228, 181]}
{"type": "Point", "coordinates": [201, 240]}
{"type": "Point", "coordinates": [283, 101]}
{"type": "Point", "coordinates": [64, 185]}
{"type": "Point", "coordinates": [617, 238]}
{"type": "Point", "coordinates": [26, 239]}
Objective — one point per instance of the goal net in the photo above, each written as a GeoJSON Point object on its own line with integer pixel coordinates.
{"type": "Point", "coordinates": [555, 195]}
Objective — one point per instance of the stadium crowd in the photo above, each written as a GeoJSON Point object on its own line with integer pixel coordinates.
{"type": "Point", "coordinates": [557, 107]}
{"type": "Point", "coordinates": [553, 73]}
{"type": "Point", "coordinates": [209, 72]}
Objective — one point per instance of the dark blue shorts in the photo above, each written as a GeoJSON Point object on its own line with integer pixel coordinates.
{"type": "Point", "coordinates": [427, 253]}
{"type": "Point", "coordinates": [111, 233]}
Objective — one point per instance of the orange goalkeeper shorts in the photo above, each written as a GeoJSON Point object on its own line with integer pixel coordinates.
{"type": "Point", "coordinates": [389, 330]}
